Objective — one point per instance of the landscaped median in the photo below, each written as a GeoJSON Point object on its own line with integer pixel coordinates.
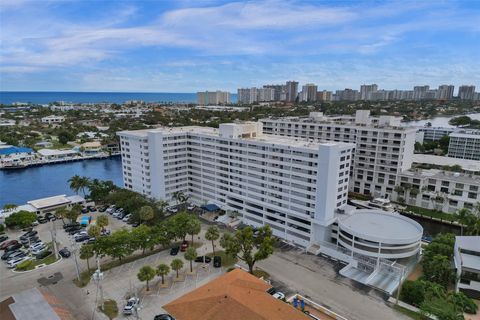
{"type": "Point", "coordinates": [32, 264]}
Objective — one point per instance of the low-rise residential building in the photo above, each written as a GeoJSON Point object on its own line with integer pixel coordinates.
{"type": "Point", "coordinates": [467, 265]}
{"type": "Point", "coordinates": [432, 133]}
{"type": "Point", "coordinates": [53, 119]}
{"type": "Point", "coordinates": [465, 144]}
{"type": "Point", "coordinates": [383, 148]}
{"type": "Point", "coordinates": [438, 190]}
{"type": "Point", "coordinates": [11, 156]}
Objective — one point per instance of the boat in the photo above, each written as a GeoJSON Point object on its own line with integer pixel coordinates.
{"type": "Point", "coordinates": [377, 203]}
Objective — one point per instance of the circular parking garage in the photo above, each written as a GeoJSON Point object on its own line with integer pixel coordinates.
{"type": "Point", "coordinates": [378, 234]}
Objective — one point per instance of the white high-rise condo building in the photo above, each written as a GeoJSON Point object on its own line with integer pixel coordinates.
{"type": "Point", "coordinates": [466, 92]}
{"type": "Point", "coordinates": [295, 186]}
{"type": "Point", "coordinates": [419, 92]}
{"type": "Point", "coordinates": [383, 148]}
{"type": "Point", "coordinates": [213, 98]}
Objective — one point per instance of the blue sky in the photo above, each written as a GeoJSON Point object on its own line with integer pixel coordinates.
{"type": "Point", "coordinates": [184, 46]}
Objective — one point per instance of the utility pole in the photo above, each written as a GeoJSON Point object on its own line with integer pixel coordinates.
{"type": "Point", "coordinates": [53, 232]}
{"type": "Point", "coordinates": [74, 251]}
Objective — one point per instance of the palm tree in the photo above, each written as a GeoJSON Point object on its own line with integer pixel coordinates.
{"type": "Point", "coordinates": [212, 234]}
{"type": "Point", "coordinates": [78, 183]}
{"type": "Point", "coordinates": [178, 195]}
{"type": "Point", "coordinates": [86, 252]}
{"type": "Point", "coordinates": [193, 226]}
{"type": "Point", "coordinates": [62, 213]}
{"type": "Point", "coordinates": [162, 271]}
{"type": "Point", "coordinates": [146, 273]}
{"type": "Point", "coordinates": [176, 265]}
{"type": "Point", "coordinates": [190, 255]}
{"type": "Point", "coordinates": [161, 205]}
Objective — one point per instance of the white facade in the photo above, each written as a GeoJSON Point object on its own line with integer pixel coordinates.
{"type": "Point", "coordinates": [53, 119]}
{"type": "Point", "coordinates": [465, 144]}
{"type": "Point", "coordinates": [383, 149]}
{"type": "Point", "coordinates": [292, 185]}
{"type": "Point", "coordinates": [434, 133]}
{"type": "Point", "coordinates": [467, 263]}
{"type": "Point", "coordinates": [438, 190]}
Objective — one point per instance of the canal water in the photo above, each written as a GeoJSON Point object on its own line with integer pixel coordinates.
{"type": "Point", "coordinates": [21, 185]}
{"type": "Point", "coordinates": [433, 227]}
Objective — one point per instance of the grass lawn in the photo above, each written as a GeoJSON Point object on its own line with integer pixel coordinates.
{"type": "Point", "coordinates": [110, 309]}
{"type": "Point", "coordinates": [31, 264]}
{"type": "Point", "coordinates": [432, 213]}
{"type": "Point", "coordinates": [409, 313]}
{"type": "Point", "coordinates": [227, 260]}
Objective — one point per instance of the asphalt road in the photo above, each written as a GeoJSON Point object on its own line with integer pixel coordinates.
{"type": "Point", "coordinates": [317, 279]}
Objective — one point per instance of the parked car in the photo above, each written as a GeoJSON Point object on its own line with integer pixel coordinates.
{"type": "Point", "coordinates": [5, 244]}
{"type": "Point", "coordinates": [116, 214]}
{"type": "Point", "coordinates": [80, 233]}
{"type": "Point", "coordinates": [203, 259]}
{"type": "Point", "coordinates": [184, 246]}
{"type": "Point", "coordinates": [13, 247]}
{"type": "Point", "coordinates": [65, 253]}
{"type": "Point", "coordinates": [84, 210]}
{"type": "Point", "coordinates": [73, 231]}
{"type": "Point", "coordinates": [43, 254]}
{"type": "Point", "coordinates": [70, 225]}
{"type": "Point", "coordinates": [135, 224]}
{"type": "Point", "coordinates": [163, 316]}
{"type": "Point", "coordinates": [174, 251]}
{"type": "Point", "coordinates": [82, 238]}
{"type": "Point", "coordinates": [91, 208]}
{"type": "Point", "coordinates": [127, 217]}
{"type": "Point", "coordinates": [91, 240]}
{"type": "Point", "coordinates": [131, 304]}
{"type": "Point", "coordinates": [279, 295]}
{"type": "Point", "coordinates": [12, 254]}
{"type": "Point", "coordinates": [191, 207]}
{"type": "Point", "coordinates": [50, 216]}
{"type": "Point", "coordinates": [35, 245]}
{"type": "Point", "coordinates": [28, 241]}
{"type": "Point", "coordinates": [3, 238]}
{"type": "Point", "coordinates": [42, 219]}
{"type": "Point", "coordinates": [38, 249]}
{"type": "Point", "coordinates": [121, 215]}
{"type": "Point", "coordinates": [105, 232]}
{"type": "Point", "coordinates": [172, 209]}
{"type": "Point", "coordinates": [28, 234]}
{"type": "Point", "coordinates": [217, 261]}
{"type": "Point", "coordinates": [271, 291]}
{"type": "Point", "coordinates": [13, 263]}
{"type": "Point", "coordinates": [102, 208]}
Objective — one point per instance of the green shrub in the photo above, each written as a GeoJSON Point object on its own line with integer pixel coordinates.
{"type": "Point", "coordinates": [21, 219]}
{"type": "Point", "coordinates": [413, 292]}
{"type": "Point", "coordinates": [25, 265]}
{"type": "Point", "coordinates": [2, 227]}
{"type": "Point", "coordinates": [463, 302]}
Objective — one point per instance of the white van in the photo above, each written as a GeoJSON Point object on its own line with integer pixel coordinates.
{"type": "Point", "coordinates": [36, 245]}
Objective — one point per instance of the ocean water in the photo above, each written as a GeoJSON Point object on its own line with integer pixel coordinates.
{"type": "Point", "coordinates": [40, 97]}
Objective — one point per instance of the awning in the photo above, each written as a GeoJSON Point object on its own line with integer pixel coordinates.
{"type": "Point", "coordinates": [211, 207]}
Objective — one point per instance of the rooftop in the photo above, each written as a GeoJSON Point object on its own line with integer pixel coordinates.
{"type": "Point", "coordinates": [470, 243]}
{"type": "Point", "coordinates": [214, 132]}
{"type": "Point", "coordinates": [54, 201]}
{"type": "Point", "coordinates": [55, 152]}
{"type": "Point", "coordinates": [236, 295]}
{"type": "Point", "coordinates": [381, 226]}
{"type": "Point", "coordinates": [466, 164]}
{"type": "Point", "coordinates": [443, 175]}
{"type": "Point", "coordinates": [13, 150]}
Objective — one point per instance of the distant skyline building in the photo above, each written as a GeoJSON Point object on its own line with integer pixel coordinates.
{"type": "Point", "coordinates": [309, 92]}
{"type": "Point", "coordinates": [291, 91]}
{"type": "Point", "coordinates": [279, 91]}
{"type": "Point", "coordinates": [366, 91]}
{"type": "Point", "coordinates": [206, 98]}
{"type": "Point", "coordinates": [445, 92]}
{"type": "Point", "coordinates": [466, 92]}
{"type": "Point", "coordinates": [419, 92]}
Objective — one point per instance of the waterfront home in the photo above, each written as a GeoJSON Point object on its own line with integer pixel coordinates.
{"type": "Point", "coordinates": [91, 148]}
{"type": "Point", "coordinates": [91, 135]}
{"type": "Point", "coordinates": [11, 156]}
{"type": "Point", "coordinates": [54, 154]}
